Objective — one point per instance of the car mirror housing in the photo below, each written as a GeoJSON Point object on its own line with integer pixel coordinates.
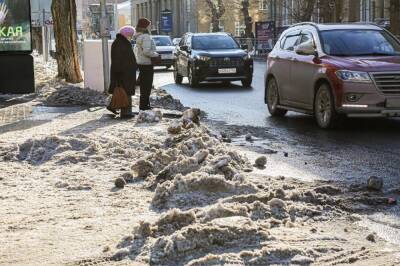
{"type": "Point", "coordinates": [244, 46]}
{"type": "Point", "coordinates": [307, 48]}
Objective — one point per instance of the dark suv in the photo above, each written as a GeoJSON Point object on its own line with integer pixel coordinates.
{"type": "Point", "coordinates": [333, 71]}
{"type": "Point", "coordinates": [212, 57]}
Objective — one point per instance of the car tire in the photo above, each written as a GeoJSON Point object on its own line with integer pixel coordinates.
{"type": "Point", "coordinates": [177, 77]}
{"type": "Point", "coordinates": [247, 82]}
{"type": "Point", "coordinates": [324, 108]}
{"type": "Point", "coordinates": [273, 99]}
{"type": "Point", "coordinates": [193, 81]}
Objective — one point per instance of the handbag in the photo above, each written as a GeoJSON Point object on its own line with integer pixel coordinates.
{"type": "Point", "coordinates": [119, 98]}
{"type": "Point", "coordinates": [156, 60]}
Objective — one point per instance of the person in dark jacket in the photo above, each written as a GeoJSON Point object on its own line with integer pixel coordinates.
{"type": "Point", "coordinates": [123, 67]}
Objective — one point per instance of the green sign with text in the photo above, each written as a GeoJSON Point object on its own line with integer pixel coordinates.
{"type": "Point", "coordinates": [15, 26]}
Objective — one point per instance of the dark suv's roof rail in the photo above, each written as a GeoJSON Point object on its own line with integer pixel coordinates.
{"type": "Point", "coordinates": [304, 24]}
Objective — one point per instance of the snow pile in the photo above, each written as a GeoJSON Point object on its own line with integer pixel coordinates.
{"type": "Point", "coordinates": [55, 92]}
{"type": "Point", "coordinates": [164, 100]}
{"type": "Point", "coordinates": [69, 149]}
{"type": "Point", "coordinates": [151, 116]}
{"type": "Point", "coordinates": [50, 148]}
{"type": "Point", "coordinates": [228, 232]}
{"type": "Point", "coordinates": [198, 189]}
{"type": "Point", "coordinates": [67, 95]}
{"type": "Point", "coordinates": [193, 150]}
{"type": "Point", "coordinates": [210, 208]}
{"type": "Point", "coordinates": [45, 72]}
{"type": "Point", "coordinates": [192, 237]}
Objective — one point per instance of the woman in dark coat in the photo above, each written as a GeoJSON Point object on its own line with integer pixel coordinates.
{"type": "Point", "coordinates": [123, 67]}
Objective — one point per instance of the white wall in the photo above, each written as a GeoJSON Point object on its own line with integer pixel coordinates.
{"type": "Point", "coordinates": [93, 64]}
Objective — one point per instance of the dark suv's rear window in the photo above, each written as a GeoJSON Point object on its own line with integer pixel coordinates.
{"type": "Point", "coordinates": [359, 43]}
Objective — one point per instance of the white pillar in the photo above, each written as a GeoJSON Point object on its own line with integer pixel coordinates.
{"type": "Point", "coordinates": [162, 5]}
{"type": "Point", "coordinates": [175, 17]}
{"type": "Point", "coordinates": [154, 13]}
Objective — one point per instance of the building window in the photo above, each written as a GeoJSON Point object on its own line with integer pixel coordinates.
{"type": "Point", "coordinates": [263, 4]}
{"type": "Point", "coordinates": [239, 29]}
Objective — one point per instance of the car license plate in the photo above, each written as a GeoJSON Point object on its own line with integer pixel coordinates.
{"type": "Point", "coordinates": [393, 103]}
{"type": "Point", "coordinates": [166, 56]}
{"type": "Point", "coordinates": [227, 71]}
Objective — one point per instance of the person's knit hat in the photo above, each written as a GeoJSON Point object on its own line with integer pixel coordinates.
{"type": "Point", "coordinates": [127, 31]}
{"type": "Point", "coordinates": [143, 23]}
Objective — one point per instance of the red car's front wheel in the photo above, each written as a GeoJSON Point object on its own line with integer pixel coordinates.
{"type": "Point", "coordinates": [273, 99]}
{"type": "Point", "coordinates": [324, 108]}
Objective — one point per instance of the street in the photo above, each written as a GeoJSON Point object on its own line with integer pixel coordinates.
{"type": "Point", "coordinates": [362, 147]}
{"type": "Point", "coordinates": [294, 145]}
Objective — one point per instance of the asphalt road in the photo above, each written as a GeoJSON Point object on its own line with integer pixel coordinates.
{"type": "Point", "coordinates": [296, 147]}
{"type": "Point", "coordinates": [360, 148]}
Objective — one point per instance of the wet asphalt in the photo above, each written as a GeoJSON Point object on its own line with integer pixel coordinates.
{"type": "Point", "coordinates": [296, 147]}
{"type": "Point", "coordinates": [358, 149]}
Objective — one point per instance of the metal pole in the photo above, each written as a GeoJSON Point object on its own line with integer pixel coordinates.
{"type": "Point", "coordinates": [104, 32]}
{"type": "Point", "coordinates": [45, 38]}
{"type": "Point", "coordinates": [275, 24]}
{"type": "Point", "coordinates": [116, 19]}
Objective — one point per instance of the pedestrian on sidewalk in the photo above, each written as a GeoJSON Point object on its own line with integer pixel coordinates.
{"type": "Point", "coordinates": [146, 55]}
{"type": "Point", "coordinates": [123, 68]}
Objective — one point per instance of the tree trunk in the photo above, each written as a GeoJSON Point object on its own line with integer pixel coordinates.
{"type": "Point", "coordinates": [395, 17]}
{"type": "Point", "coordinates": [302, 11]}
{"type": "Point", "coordinates": [37, 39]}
{"type": "Point", "coordinates": [331, 10]}
{"type": "Point", "coordinates": [217, 11]}
{"type": "Point", "coordinates": [64, 17]}
{"type": "Point", "coordinates": [248, 21]}
{"type": "Point", "coordinates": [354, 10]}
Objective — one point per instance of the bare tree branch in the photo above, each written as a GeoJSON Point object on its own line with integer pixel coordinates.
{"type": "Point", "coordinates": [217, 9]}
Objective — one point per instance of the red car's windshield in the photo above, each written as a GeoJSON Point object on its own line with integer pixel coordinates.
{"type": "Point", "coordinates": [359, 43]}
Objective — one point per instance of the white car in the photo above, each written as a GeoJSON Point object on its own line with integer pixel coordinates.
{"type": "Point", "coordinates": [166, 49]}
{"type": "Point", "coordinates": [176, 41]}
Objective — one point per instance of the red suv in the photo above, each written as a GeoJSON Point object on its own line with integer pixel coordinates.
{"type": "Point", "coordinates": [333, 71]}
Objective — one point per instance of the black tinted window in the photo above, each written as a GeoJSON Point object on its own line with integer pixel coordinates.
{"type": "Point", "coordinates": [359, 43]}
{"type": "Point", "coordinates": [290, 42]}
{"type": "Point", "coordinates": [211, 42]}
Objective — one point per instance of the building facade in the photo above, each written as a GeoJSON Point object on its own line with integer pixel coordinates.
{"type": "Point", "coordinates": [184, 14]}
{"type": "Point", "coordinates": [284, 13]}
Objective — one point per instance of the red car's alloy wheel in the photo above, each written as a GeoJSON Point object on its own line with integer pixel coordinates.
{"type": "Point", "coordinates": [324, 108]}
{"type": "Point", "coordinates": [273, 99]}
